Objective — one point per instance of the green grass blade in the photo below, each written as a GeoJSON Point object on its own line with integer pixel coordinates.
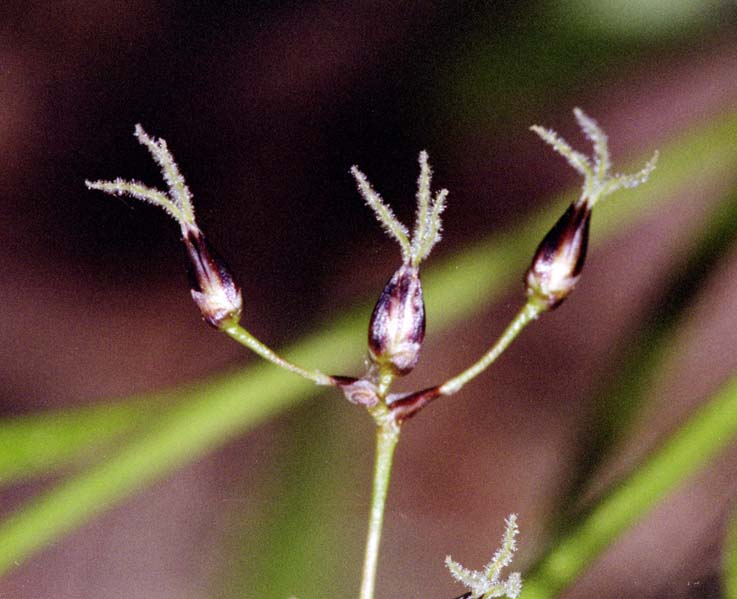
{"type": "Point", "coordinates": [729, 560]}
{"type": "Point", "coordinates": [620, 396]}
{"type": "Point", "coordinates": [35, 444]}
{"type": "Point", "coordinates": [207, 417]}
{"type": "Point", "coordinates": [290, 539]}
{"type": "Point", "coordinates": [711, 429]}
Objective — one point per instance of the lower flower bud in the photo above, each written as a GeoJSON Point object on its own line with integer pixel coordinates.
{"type": "Point", "coordinates": [213, 290]}
{"type": "Point", "coordinates": [560, 257]}
{"type": "Point", "coordinates": [397, 326]}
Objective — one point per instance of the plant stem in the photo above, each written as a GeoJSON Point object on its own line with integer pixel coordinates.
{"type": "Point", "coordinates": [387, 436]}
{"type": "Point", "coordinates": [529, 312]}
{"type": "Point", "coordinates": [242, 336]}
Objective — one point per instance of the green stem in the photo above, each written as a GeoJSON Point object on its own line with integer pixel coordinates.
{"type": "Point", "coordinates": [242, 336]}
{"type": "Point", "coordinates": [708, 431]}
{"type": "Point", "coordinates": [387, 436]}
{"type": "Point", "coordinates": [529, 312]}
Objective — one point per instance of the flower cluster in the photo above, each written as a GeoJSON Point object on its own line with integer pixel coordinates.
{"type": "Point", "coordinates": [396, 328]}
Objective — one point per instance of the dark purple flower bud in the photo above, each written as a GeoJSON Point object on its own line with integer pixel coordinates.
{"type": "Point", "coordinates": [560, 256]}
{"type": "Point", "coordinates": [397, 325]}
{"type": "Point", "coordinates": [216, 294]}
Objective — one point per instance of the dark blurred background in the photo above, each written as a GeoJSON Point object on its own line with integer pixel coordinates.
{"type": "Point", "coordinates": [266, 105]}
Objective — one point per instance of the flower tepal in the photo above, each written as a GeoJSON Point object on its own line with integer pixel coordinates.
{"type": "Point", "coordinates": [558, 260]}
{"type": "Point", "coordinates": [397, 325]}
{"type": "Point", "coordinates": [212, 286]}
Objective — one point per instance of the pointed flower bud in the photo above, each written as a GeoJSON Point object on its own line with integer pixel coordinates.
{"type": "Point", "coordinates": [397, 325]}
{"type": "Point", "coordinates": [559, 258]}
{"type": "Point", "coordinates": [213, 290]}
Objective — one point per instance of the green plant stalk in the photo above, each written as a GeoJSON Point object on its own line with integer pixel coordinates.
{"type": "Point", "coordinates": [387, 436]}
{"type": "Point", "coordinates": [236, 332]}
{"type": "Point", "coordinates": [529, 312]}
{"type": "Point", "coordinates": [706, 432]}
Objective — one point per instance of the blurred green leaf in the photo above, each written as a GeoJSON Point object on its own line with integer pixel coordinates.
{"type": "Point", "coordinates": [564, 45]}
{"type": "Point", "coordinates": [209, 414]}
{"type": "Point", "coordinates": [729, 559]}
{"type": "Point", "coordinates": [290, 541]}
{"type": "Point", "coordinates": [35, 444]}
{"type": "Point", "coordinates": [710, 430]}
{"type": "Point", "coordinates": [485, 85]}
{"type": "Point", "coordinates": [647, 19]}
{"type": "Point", "coordinates": [620, 396]}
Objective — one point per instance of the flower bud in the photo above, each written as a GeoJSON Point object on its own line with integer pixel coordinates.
{"type": "Point", "coordinates": [397, 325]}
{"type": "Point", "coordinates": [559, 258]}
{"type": "Point", "coordinates": [212, 286]}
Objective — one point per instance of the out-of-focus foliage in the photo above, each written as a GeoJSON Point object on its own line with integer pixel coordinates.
{"type": "Point", "coordinates": [645, 19]}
